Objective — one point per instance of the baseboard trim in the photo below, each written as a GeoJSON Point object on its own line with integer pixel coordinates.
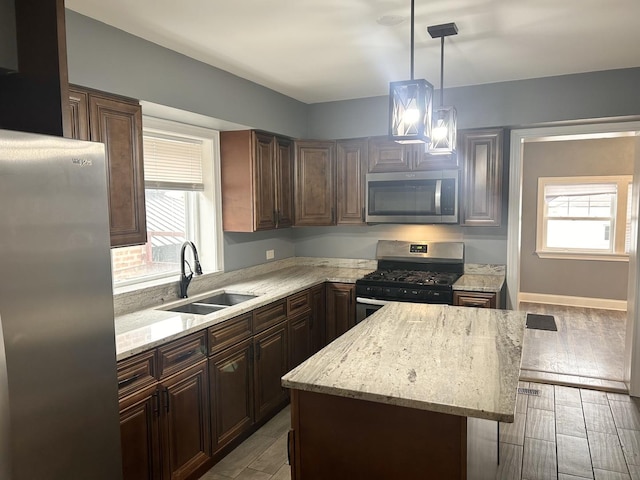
{"type": "Point", "coordinates": [567, 301]}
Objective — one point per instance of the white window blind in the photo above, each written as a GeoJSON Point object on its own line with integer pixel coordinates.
{"type": "Point", "coordinates": [584, 189]}
{"type": "Point", "coordinates": [172, 163]}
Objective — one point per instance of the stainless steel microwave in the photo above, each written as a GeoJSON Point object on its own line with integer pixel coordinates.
{"type": "Point", "coordinates": [412, 197]}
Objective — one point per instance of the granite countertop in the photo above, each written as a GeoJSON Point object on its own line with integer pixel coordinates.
{"type": "Point", "coordinates": [145, 329]}
{"type": "Point", "coordinates": [455, 360]}
{"type": "Point", "coordinates": [479, 283]}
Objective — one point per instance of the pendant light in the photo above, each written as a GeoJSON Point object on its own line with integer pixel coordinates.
{"type": "Point", "coordinates": [443, 138]}
{"type": "Point", "coordinates": [410, 105]}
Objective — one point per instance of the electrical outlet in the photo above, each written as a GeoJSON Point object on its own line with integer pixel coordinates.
{"type": "Point", "coordinates": [270, 254]}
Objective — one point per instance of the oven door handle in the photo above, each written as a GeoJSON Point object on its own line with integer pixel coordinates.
{"type": "Point", "coordinates": [438, 197]}
{"type": "Point", "coordinates": [371, 301]}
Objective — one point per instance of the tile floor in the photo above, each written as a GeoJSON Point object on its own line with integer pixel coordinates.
{"type": "Point", "coordinates": [262, 456]}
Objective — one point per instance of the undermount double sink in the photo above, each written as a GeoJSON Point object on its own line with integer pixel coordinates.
{"type": "Point", "coordinates": [211, 304]}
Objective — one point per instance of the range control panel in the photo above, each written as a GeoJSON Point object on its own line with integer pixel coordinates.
{"type": "Point", "coordinates": [418, 248]}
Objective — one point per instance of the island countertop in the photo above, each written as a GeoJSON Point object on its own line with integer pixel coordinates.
{"type": "Point", "coordinates": [454, 360]}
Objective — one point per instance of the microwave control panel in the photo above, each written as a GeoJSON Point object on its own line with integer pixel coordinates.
{"type": "Point", "coordinates": [418, 248]}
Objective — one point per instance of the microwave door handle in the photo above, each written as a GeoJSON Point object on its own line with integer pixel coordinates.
{"type": "Point", "coordinates": [438, 196]}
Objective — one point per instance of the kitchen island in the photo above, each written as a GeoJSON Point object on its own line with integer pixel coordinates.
{"type": "Point", "coordinates": [415, 391]}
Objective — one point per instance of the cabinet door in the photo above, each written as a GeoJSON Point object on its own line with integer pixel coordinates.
{"type": "Point", "coordinates": [270, 364]}
{"type": "Point", "coordinates": [300, 341]}
{"type": "Point", "coordinates": [385, 155]}
{"type": "Point", "coordinates": [341, 309]}
{"type": "Point", "coordinates": [264, 181]}
{"type": "Point", "coordinates": [351, 165]}
{"type": "Point", "coordinates": [231, 382]}
{"type": "Point", "coordinates": [314, 183]}
{"type": "Point", "coordinates": [318, 315]}
{"type": "Point", "coordinates": [284, 183]}
{"type": "Point", "coordinates": [482, 179]}
{"type": "Point", "coordinates": [118, 124]}
{"type": "Point", "coordinates": [79, 107]}
{"type": "Point", "coordinates": [187, 428]}
{"type": "Point", "coordinates": [140, 435]}
{"type": "Point", "coordinates": [475, 299]}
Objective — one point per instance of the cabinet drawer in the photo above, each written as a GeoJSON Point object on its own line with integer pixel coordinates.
{"type": "Point", "coordinates": [229, 333]}
{"type": "Point", "coordinates": [475, 299]}
{"type": "Point", "coordinates": [298, 303]}
{"type": "Point", "coordinates": [181, 353]}
{"type": "Point", "coordinates": [269, 315]}
{"type": "Point", "coordinates": [136, 373]}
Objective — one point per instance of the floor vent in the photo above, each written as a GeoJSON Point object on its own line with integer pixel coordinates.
{"type": "Point", "coordinates": [529, 391]}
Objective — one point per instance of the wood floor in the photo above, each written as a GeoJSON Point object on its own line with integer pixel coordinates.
{"type": "Point", "coordinates": [565, 433]}
{"type": "Point", "coordinates": [587, 350]}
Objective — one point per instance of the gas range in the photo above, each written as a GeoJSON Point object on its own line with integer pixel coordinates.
{"type": "Point", "coordinates": [421, 272]}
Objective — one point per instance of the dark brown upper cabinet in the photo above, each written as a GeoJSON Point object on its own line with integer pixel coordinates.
{"type": "Point", "coordinates": [256, 169]}
{"type": "Point", "coordinates": [351, 169]}
{"type": "Point", "coordinates": [117, 122]}
{"type": "Point", "coordinates": [314, 184]}
{"type": "Point", "coordinates": [481, 152]}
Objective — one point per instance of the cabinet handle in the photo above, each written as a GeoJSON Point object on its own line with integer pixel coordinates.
{"type": "Point", "coordinates": [184, 356]}
{"type": "Point", "coordinates": [351, 297]}
{"type": "Point", "coordinates": [156, 404]}
{"type": "Point", "coordinates": [290, 443]}
{"type": "Point", "coordinates": [258, 350]}
{"type": "Point", "coordinates": [251, 353]}
{"type": "Point", "coordinates": [128, 381]}
{"type": "Point", "coordinates": [166, 399]}
{"type": "Point", "coordinates": [333, 215]}
{"type": "Point", "coordinates": [364, 218]}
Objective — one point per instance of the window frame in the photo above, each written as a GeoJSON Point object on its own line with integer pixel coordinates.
{"type": "Point", "coordinates": [620, 220]}
{"type": "Point", "coordinates": [208, 228]}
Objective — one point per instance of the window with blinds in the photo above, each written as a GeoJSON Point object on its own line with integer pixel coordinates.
{"type": "Point", "coordinates": [584, 215]}
{"type": "Point", "coordinates": [179, 191]}
{"type": "Point", "coordinates": [172, 163]}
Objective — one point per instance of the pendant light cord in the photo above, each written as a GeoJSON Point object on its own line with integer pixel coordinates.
{"type": "Point", "coordinates": [412, 28]}
{"type": "Point", "coordinates": [441, 71]}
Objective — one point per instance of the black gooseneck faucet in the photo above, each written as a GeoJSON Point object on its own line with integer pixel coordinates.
{"type": "Point", "coordinates": [186, 279]}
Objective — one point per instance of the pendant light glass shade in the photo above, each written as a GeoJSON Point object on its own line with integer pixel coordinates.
{"type": "Point", "coordinates": [410, 108]}
{"type": "Point", "coordinates": [443, 140]}
{"type": "Point", "coordinates": [444, 131]}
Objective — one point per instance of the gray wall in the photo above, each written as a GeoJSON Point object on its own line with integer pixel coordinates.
{"type": "Point", "coordinates": [578, 278]}
{"type": "Point", "coordinates": [247, 249]}
{"type": "Point", "coordinates": [519, 103]}
{"type": "Point", "coordinates": [112, 60]}
{"type": "Point", "coordinates": [8, 44]}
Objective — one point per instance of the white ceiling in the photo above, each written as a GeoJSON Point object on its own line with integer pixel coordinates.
{"type": "Point", "coordinates": [324, 50]}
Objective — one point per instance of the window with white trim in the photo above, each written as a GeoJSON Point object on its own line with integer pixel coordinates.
{"type": "Point", "coordinates": [584, 217]}
{"type": "Point", "coordinates": [182, 203]}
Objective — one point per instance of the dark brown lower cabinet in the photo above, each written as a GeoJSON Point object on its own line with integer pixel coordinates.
{"type": "Point", "coordinates": [186, 422]}
{"type": "Point", "coordinates": [341, 309]}
{"type": "Point", "coordinates": [300, 340]}
{"type": "Point", "coordinates": [318, 318]}
{"type": "Point", "coordinates": [270, 364]}
{"type": "Point", "coordinates": [164, 429]}
{"type": "Point", "coordinates": [231, 382]}
{"type": "Point", "coordinates": [139, 435]}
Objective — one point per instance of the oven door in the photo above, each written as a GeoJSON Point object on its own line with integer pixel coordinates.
{"type": "Point", "coordinates": [367, 306]}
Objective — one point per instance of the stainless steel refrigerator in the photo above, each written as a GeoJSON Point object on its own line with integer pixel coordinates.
{"type": "Point", "coordinates": [58, 385]}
